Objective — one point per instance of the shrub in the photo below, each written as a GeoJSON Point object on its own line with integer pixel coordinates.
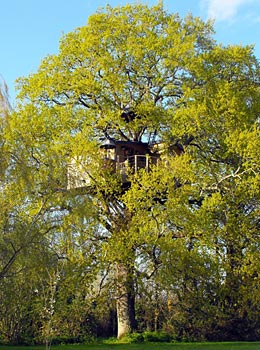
{"type": "Point", "coordinates": [133, 338]}
{"type": "Point", "coordinates": [71, 340]}
{"type": "Point", "coordinates": [157, 337]}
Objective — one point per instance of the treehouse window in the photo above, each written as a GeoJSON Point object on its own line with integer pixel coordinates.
{"type": "Point", "coordinates": [109, 149]}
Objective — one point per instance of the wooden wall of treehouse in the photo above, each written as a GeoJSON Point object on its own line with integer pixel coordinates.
{"type": "Point", "coordinates": [120, 156]}
{"type": "Point", "coordinates": [123, 150]}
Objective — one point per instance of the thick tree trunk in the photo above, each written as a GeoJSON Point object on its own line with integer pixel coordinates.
{"type": "Point", "coordinates": [126, 322]}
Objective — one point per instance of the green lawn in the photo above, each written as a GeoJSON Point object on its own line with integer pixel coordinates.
{"type": "Point", "coordinates": [147, 346]}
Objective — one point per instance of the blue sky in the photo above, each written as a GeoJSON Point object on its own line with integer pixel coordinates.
{"type": "Point", "coordinates": [30, 30]}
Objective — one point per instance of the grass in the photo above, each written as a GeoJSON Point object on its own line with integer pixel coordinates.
{"type": "Point", "coordinates": [146, 346]}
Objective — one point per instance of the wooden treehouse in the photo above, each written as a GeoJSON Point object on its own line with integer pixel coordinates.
{"type": "Point", "coordinates": [121, 156]}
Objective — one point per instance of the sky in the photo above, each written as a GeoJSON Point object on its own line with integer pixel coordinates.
{"type": "Point", "coordinates": [30, 30]}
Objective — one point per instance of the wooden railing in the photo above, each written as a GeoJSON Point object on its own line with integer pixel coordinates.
{"type": "Point", "coordinates": [135, 163]}
{"type": "Point", "coordinates": [78, 175]}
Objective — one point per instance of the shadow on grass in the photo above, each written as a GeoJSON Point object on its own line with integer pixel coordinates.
{"type": "Point", "coordinates": [145, 346]}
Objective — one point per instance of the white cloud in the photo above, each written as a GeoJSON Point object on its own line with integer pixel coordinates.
{"type": "Point", "coordinates": [223, 10]}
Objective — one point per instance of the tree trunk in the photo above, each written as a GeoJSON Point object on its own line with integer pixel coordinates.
{"type": "Point", "coordinates": [126, 322]}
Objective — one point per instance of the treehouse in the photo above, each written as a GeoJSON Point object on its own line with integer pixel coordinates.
{"type": "Point", "coordinates": [119, 156]}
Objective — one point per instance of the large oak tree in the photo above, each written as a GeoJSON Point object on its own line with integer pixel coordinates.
{"type": "Point", "coordinates": [142, 75]}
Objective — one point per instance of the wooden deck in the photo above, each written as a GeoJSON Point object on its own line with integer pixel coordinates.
{"type": "Point", "coordinates": [78, 176]}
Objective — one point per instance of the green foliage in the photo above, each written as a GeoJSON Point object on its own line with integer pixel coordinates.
{"type": "Point", "coordinates": [137, 338]}
{"type": "Point", "coordinates": [133, 338]}
{"type": "Point", "coordinates": [158, 337]}
{"type": "Point", "coordinates": [182, 240]}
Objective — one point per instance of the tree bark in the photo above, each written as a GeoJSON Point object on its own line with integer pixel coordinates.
{"type": "Point", "coordinates": [126, 322]}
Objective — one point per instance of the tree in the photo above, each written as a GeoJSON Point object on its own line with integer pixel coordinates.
{"type": "Point", "coordinates": [139, 75]}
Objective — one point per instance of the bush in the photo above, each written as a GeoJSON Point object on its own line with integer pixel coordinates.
{"type": "Point", "coordinates": [133, 338]}
{"type": "Point", "coordinates": [72, 340]}
{"type": "Point", "coordinates": [157, 337]}
{"type": "Point", "coordinates": [137, 338]}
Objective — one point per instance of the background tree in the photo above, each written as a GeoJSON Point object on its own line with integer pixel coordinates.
{"type": "Point", "coordinates": [188, 228]}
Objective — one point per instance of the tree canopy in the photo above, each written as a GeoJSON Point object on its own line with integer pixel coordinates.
{"type": "Point", "coordinates": [178, 248]}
